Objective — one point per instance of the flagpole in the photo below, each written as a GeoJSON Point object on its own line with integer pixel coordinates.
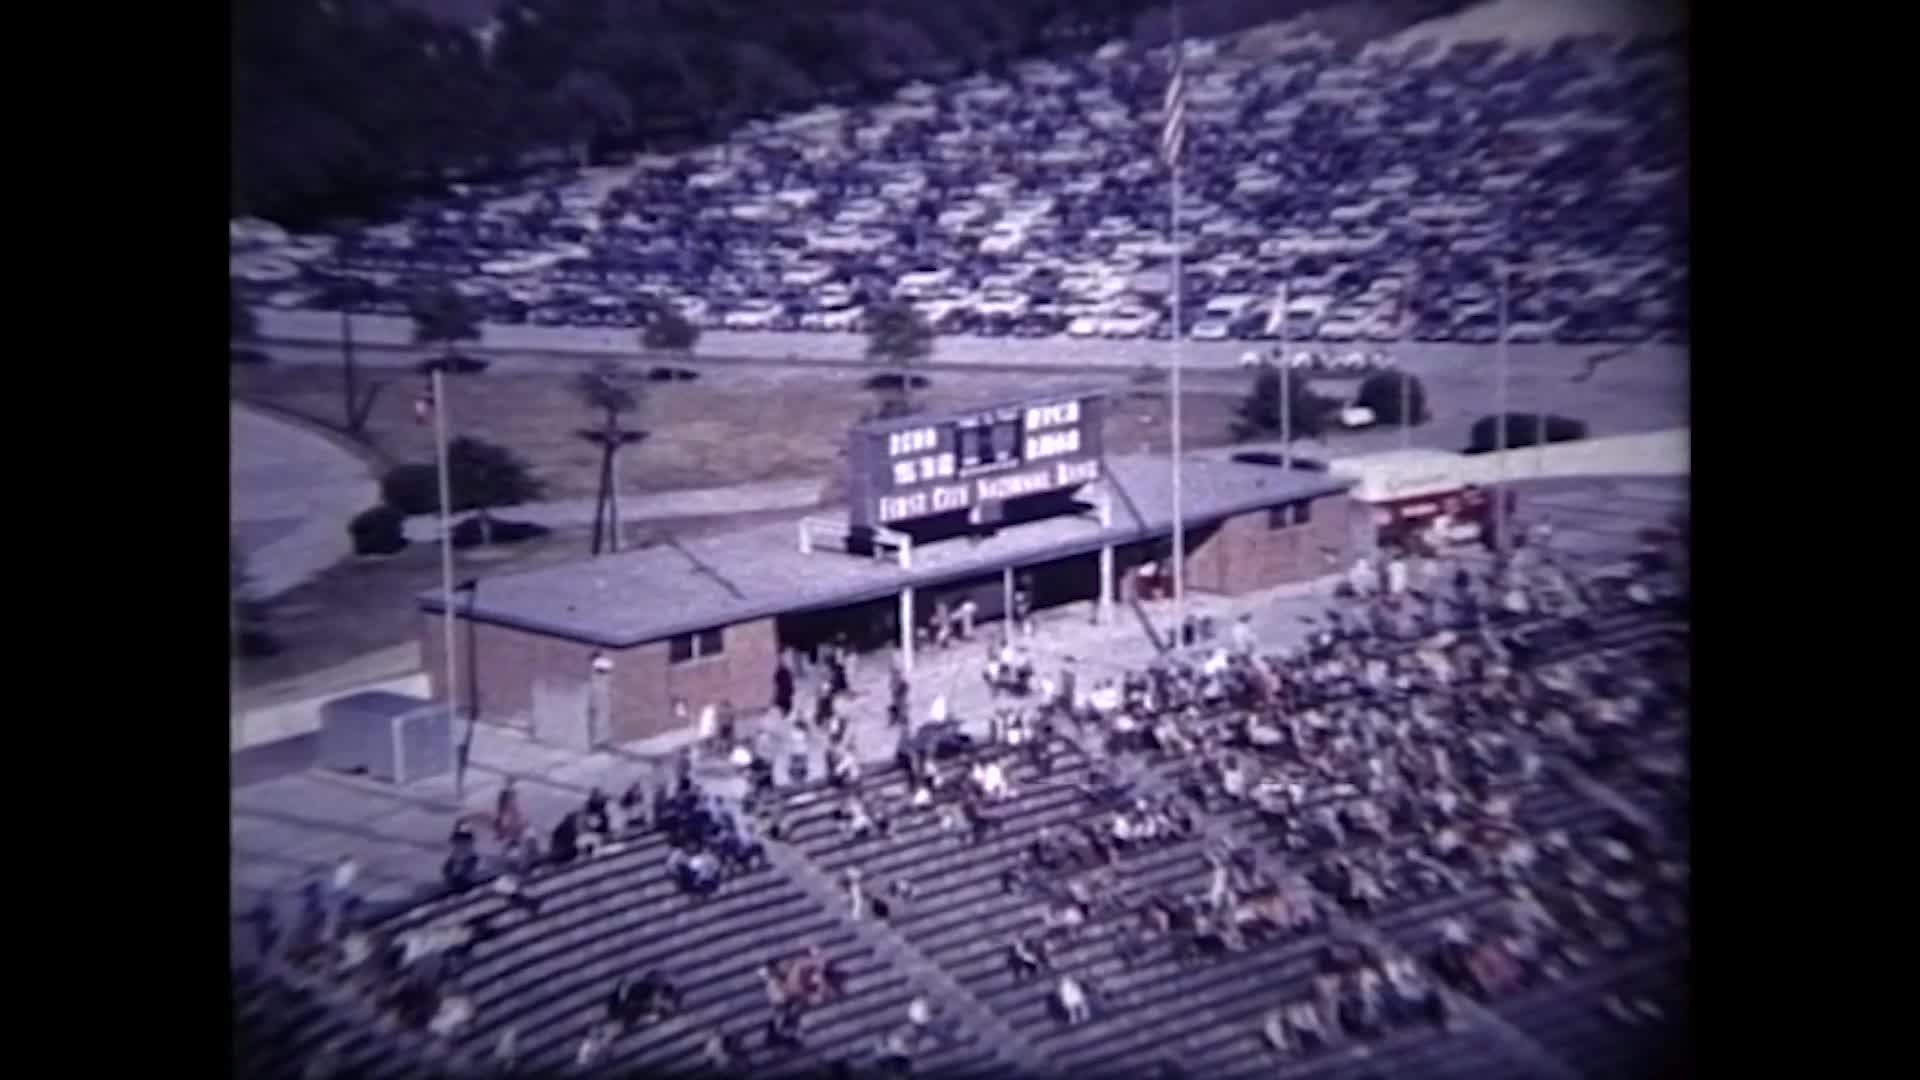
{"type": "Point", "coordinates": [1406, 380]}
{"type": "Point", "coordinates": [446, 572]}
{"type": "Point", "coordinates": [1177, 122]}
{"type": "Point", "coordinates": [1286, 374]}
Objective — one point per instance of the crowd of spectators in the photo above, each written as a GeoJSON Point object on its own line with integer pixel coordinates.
{"type": "Point", "coordinates": [1388, 762]}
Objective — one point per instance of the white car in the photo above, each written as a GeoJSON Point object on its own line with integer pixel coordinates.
{"type": "Point", "coordinates": [1127, 323]}
{"type": "Point", "coordinates": [1002, 302]}
{"type": "Point", "coordinates": [1084, 326]}
{"type": "Point", "coordinates": [1339, 330]}
{"type": "Point", "coordinates": [1356, 416]}
{"type": "Point", "coordinates": [1209, 330]}
{"type": "Point", "coordinates": [1003, 240]}
{"type": "Point", "coordinates": [806, 274]}
{"type": "Point", "coordinates": [844, 319]}
{"type": "Point", "coordinates": [752, 315]}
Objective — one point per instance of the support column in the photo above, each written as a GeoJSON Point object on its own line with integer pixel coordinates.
{"type": "Point", "coordinates": [1105, 610]}
{"type": "Point", "coordinates": [906, 630]}
{"type": "Point", "coordinates": [1006, 601]}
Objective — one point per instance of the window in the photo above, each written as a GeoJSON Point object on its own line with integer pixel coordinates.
{"type": "Point", "coordinates": [699, 646]}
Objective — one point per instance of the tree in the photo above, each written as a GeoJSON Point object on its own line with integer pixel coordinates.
{"type": "Point", "coordinates": [666, 330]}
{"type": "Point", "coordinates": [345, 294]}
{"type": "Point", "coordinates": [1383, 391]}
{"type": "Point", "coordinates": [481, 476]}
{"type": "Point", "coordinates": [608, 391]}
{"type": "Point", "coordinates": [591, 106]}
{"type": "Point", "coordinates": [897, 336]}
{"type": "Point", "coordinates": [442, 315]}
{"type": "Point", "coordinates": [1259, 411]}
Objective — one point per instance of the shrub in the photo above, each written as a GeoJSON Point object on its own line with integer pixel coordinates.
{"type": "Point", "coordinates": [1259, 412]}
{"type": "Point", "coordinates": [411, 489]}
{"type": "Point", "coordinates": [1381, 393]}
{"type": "Point", "coordinates": [472, 532]}
{"type": "Point", "coordinates": [483, 476]}
{"type": "Point", "coordinates": [1523, 429]}
{"type": "Point", "coordinates": [380, 530]}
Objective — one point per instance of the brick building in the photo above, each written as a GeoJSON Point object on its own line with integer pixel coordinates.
{"type": "Point", "coordinates": [704, 620]}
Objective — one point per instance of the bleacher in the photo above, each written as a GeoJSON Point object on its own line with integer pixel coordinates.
{"type": "Point", "coordinates": [1615, 890]}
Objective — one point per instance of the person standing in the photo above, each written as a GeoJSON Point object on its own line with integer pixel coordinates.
{"type": "Point", "coordinates": [783, 688]}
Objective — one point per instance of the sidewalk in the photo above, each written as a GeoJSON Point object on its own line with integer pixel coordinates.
{"type": "Point", "coordinates": [293, 492]}
{"type": "Point", "coordinates": [693, 502]}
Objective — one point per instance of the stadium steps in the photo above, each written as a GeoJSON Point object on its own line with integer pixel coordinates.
{"type": "Point", "coordinates": [970, 1025]}
{"type": "Point", "coordinates": [1523, 1050]}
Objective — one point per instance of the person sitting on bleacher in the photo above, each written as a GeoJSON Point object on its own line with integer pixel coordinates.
{"type": "Point", "coordinates": [843, 767]}
{"type": "Point", "coordinates": [720, 1051]}
{"type": "Point", "coordinates": [509, 824]}
{"type": "Point", "coordinates": [461, 871]}
{"type": "Point", "coordinates": [454, 1012]}
{"type": "Point", "coordinates": [990, 780]}
{"type": "Point", "coordinates": [508, 886]}
{"type": "Point", "coordinates": [856, 823]}
{"type": "Point", "coordinates": [565, 844]}
{"type": "Point", "coordinates": [595, 1043]}
{"type": "Point", "coordinates": [1072, 998]}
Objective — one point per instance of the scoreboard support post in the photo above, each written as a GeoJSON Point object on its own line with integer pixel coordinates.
{"type": "Point", "coordinates": [906, 629]}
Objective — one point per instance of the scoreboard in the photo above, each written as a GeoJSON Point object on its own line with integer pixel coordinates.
{"type": "Point", "coordinates": [918, 467]}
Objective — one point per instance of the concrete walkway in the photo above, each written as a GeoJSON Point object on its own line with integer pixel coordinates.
{"type": "Point", "coordinates": [654, 506]}
{"type": "Point", "coordinates": [293, 492]}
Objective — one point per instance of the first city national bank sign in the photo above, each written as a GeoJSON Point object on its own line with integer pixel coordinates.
{"type": "Point", "coordinates": [946, 498]}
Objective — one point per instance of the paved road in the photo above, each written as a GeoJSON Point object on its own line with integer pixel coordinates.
{"type": "Point", "coordinates": [293, 493]}
{"type": "Point", "coordinates": [388, 340]}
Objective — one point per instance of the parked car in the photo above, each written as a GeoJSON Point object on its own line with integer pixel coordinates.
{"type": "Point", "coordinates": [1523, 429]}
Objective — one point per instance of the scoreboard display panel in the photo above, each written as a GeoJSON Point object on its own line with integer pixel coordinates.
{"type": "Point", "coordinates": [920, 467]}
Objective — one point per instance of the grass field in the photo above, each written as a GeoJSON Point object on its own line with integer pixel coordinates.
{"type": "Point", "coordinates": [733, 426]}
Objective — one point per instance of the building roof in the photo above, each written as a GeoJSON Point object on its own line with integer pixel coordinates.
{"type": "Point", "coordinates": [681, 586]}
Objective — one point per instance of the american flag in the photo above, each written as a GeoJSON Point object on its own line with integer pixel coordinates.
{"type": "Point", "coordinates": [1173, 130]}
